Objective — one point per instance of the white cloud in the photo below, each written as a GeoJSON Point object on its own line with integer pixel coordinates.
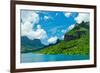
{"type": "Point", "coordinates": [71, 27]}
{"type": "Point", "coordinates": [62, 37]}
{"type": "Point", "coordinates": [46, 17]}
{"type": "Point", "coordinates": [29, 16]}
{"type": "Point", "coordinates": [52, 40]}
{"type": "Point", "coordinates": [82, 17]}
{"type": "Point", "coordinates": [31, 19]}
{"type": "Point", "coordinates": [25, 28]}
{"type": "Point", "coordinates": [38, 34]}
{"type": "Point", "coordinates": [67, 14]}
{"type": "Point", "coordinates": [45, 41]}
{"type": "Point", "coordinates": [31, 34]}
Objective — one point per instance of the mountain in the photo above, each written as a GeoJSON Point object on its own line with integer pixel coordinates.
{"type": "Point", "coordinates": [78, 31]}
{"type": "Point", "coordinates": [29, 45]}
{"type": "Point", "coordinates": [78, 44]}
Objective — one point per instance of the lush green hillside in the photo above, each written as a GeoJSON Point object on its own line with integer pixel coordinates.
{"type": "Point", "coordinates": [77, 46]}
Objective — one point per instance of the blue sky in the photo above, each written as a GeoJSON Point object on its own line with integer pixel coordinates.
{"type": "Point", "coordinates": [56, 22]}
{"type": "Point", "coordinates": [48, 26]}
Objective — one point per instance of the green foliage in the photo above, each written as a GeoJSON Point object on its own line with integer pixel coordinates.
{"type": "Point", "coordinates": [79, 46]}
{"type": "Point", "coordinates": [73, 47]}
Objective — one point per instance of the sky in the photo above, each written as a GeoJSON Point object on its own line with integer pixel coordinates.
{"type": "Point", "coordinates": [49, 26]}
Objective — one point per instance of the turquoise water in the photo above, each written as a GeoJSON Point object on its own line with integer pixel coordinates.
{"type": "Point", "coordinates": [31, 57]}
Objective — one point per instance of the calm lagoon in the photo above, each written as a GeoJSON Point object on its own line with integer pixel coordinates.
{"type": "Point", "coordinates": [31, 57]}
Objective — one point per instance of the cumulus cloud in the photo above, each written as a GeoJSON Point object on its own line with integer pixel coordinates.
{"type": "Point", "coordinates": [71, 27]}
{"type": "Point", "coordinates": [29, 19]}
{"type": "Point", "coordinates": [38, 34]}
{"type": "Point", "coordinates": [67, 14]}
{"type": "Point", "coordinates": [26, 27]}
{"type": "Point", "coordinates": [52, 40]}
{"type": "Point", "coordinates": [27, 24]}
{"type": "Point", "coordinates": [82, 17]}
{"type": "Point", "coordinates": [29, 16]}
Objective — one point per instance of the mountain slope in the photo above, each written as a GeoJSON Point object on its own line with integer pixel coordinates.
{"type": "Point", "coordinates": [29, 45]}
{"type": "Point", "coordinates": [76, 46]}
